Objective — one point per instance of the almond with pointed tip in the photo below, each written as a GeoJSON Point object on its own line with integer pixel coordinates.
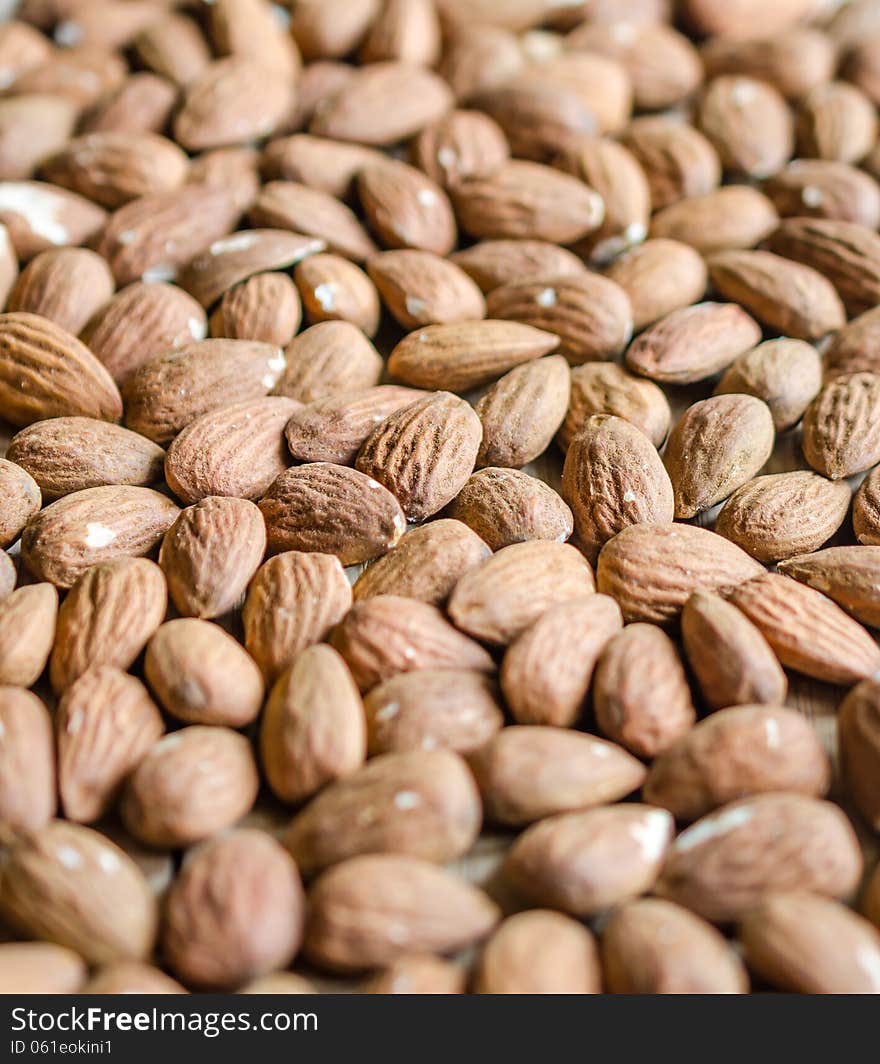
{"type": "Point", "coordinates": [64, 285]}
{"type": "Point", "coordinates": [606, 388]}
{"type": "Point", "coordinates": [265, 307]}
{"type": "Point", "coordinates": [459, 146]}
{"type": "Point", "coordinates": [492, 263]}
{"type": "Point", "coordinates": [327, 359]}
{"type": "Point", "coordinates": [406, 208]}
{"type": "Point", "coordinates": [21, 500]}
{"type": "Point", "coordinates": [27, 762]}
{"type": "Point", "coordinates": [419, 288]}
{"type": "Point", "coordinates": [38, 216]}
{"type": "Point", "coordinates": [858, 739]}
{"type": "Point", "coordinates": [786, 374]}
{"type": "Point", "coordinates": [659, 276]}
{"type": "Point", "coordinates": [842, 426]}
{"type": "Point", "coordinates": [733, 216]}
{"type": "Point", "coordinates": [334, 289]}
{"type": "Point", "coordinates": [849, 575]}
{"type": "Point", "coordinates": [27, 631]}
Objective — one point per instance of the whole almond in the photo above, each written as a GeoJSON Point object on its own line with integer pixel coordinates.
{"type": "Point", "coordinates": [32, 127]}
{"type": "Point", "coordinates": [142, 104]}
{"type": "Point", "coordinates": [313, 731]}
{"type": "Point", "coordinates": [659, 276]}
{"type": "Point", "coordinates": [330, 358]}
{"type": "Point", "coordinates": [265, 307]}
{"type": "Point", "coordinates": [606, 388]}
{"type": "Point", "coordinates": [201, 675]}
{"type": "Point", "coordinates": [420, 288]}
{"type": "Point", "coordinates": [716, 446]}
{"type": "Point", "coordinates": [27, 762]}
{"type": "Point", "coordinates": [749, 123]}
{"type": "Point", "coordinates": [836, 121]}
{"type": "Point", "coordinates": [677, 159]}
{"type": "Point", "coordinates": [432, 708]}
{"type": "Point", "coordinates": [293, 601]}
{"type": "Point", "coordinates": [41, 968]}
{"type": "Point", "coordinates": [25, 206]}
{"type": "Point", "coordinates": [327, 165]}
{"type": "Point", "coordinates": [326, 30]}
{"type": "Point", "coordinates": [722, 865]}
{"type": "Point", "coordinates": [713, 17]}
{"type": "Point", "coordinates": [73, 886]}
{"type": "Point", "coordinates": [731, 660]}
{"type": "Point", "coordinates": [492, 263]}
{"type": "Point", "coordinates": [65, 285]}
{"type": "Point", "coordinates": [386, 635]}
{"type": "Point", "coordinates": [106, 722]}
{"type": "Point", "coordinates": [21, 500]}
{"type": "Point", "coordinates": [480, 56]}
{"type": "Point", "coordinates": [426, 564]}
{"type": "Point", "coordinates": [406, 209]}
{"type": "Point", "coordinates": [27, 632]}
{"type": "Point", "coordinates": [853, 349]}
{"type": "Point", "coordinates": [406, 31]}
{"type": "Point", "coordinates": [841, 434]}
{"type": "Point", "coordinates": [191, 784]}
{"type": "Point", "coordinates": [174, 47]}
{"type": "Point", "coordinates": [735, 216]}
{"type": "Point", "coordinates": [786, 374]}
{"type": "Point", "coordinates": [822, 188]}
{"type": "Point", "coordinates": [334, 289]}
{"type": "Point", "coordinates": [459, 146]}
{"type": "Point", "coordinates": [866, 510]}
{"type": "Point", "coordinates": [858, 741]}
{"type": "Point", "coordinates": [849, 575]}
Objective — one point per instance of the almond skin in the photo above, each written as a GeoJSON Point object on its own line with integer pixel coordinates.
{"type": "Point", "coordinates": [27, 762]}
{"type": "Point", "coordinates": [334, 289]}
{"type": "Point", "coordinates": [786, 374]}
{"type": "Point", "coordinates": [749, 123]}
{"type": "Point", "coordinates": [293, 601]}
{"type": "Point", "coordinates": [334, 510]}
{"type": "Point", "coordinates": [859, 745]}
{"type": "Point", "coordinates": [736, 753]}
{"type": "Point", "coordinates": [722, 865]}
{"type": "Point", "coordinates": [492, 263]}
{"type": "Point", "coordinates": [589, 772]}
{"type": "Point", "coordinates": [22, 499]}
{"type": "Point", "coordinates": [313, 731]}
{"type": "Point", "coordinates": [265, 307]}
{"type": "Point", "coordinates": [853, 349]}
{"type": "Point", "coordinates": [849, 575]}
{"type": "Point", "coordinates": [41, 968]}
{"type": "Point", "coordinates": [659, 276]}
{"type": "Point", "coordinates": [808, 632]}
{"type": "Point", "coordinates": [386, 635]}
{"type": "Point", "coordinates": [866, 510]}
{"type": "Point", "coordinates": [420, 288]}
{"type": "Point", "coordinates": [426, 564]}
{"type": "Point", "coordinates": [25, 204]}
{"type": "Point", "coordinates": [841, 436]}
{"type": "Point", "coordinates": [547, 670]}
{"type": "Point", "coordinates": [406, 209]}
{"type": "Point", "coordinates": [27, 632]}
{"type": "Point", "coordinates": [678, 160]}
{"type": "Point", "coordinates": [735, 216]}
{"type": "Point", "coordinates": [459, 146]}
{"type": "Point", "coordinates": [330, 358]}
{"type": "Point", "coordinates": [731, 660]}
{"type": "Point", "coordinates": [64, 285]}
{"type": "Point", "coordinates": [606, 388]}
{"type": "Point", "coordinates": [290, 205]}
{"type": "Point", "coordinates": [716, 446]}
{"type": "Point", "coordinates": [8, 574]}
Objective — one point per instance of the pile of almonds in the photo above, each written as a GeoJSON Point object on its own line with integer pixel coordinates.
{"type": "Point", "coordinates": [441, 508]}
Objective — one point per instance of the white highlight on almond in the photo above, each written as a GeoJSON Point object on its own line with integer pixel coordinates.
{"type": "Point", "coordinates": [69, 857]}
{"type": "Point", "coordinates": [7, 76]}
{"type": "Point", "coordinates": [40, 208]}
{"type": "Point", "coordinates": [406, 800]}
{"type": "Point", "coordinates": [546, 297]}
{"type": "Point", "coordinates": [109, 862]}
{"type": "Point", "coordinates": [389, 711]}
{"type": "Point", "coordinates": [427, 197]}
{"type": "Point", "coordinates": [164, 271]}
{"type": "Point", "coordinates": [276, 366]}
{"type": "Point", "coordinates": [812, 196]}
{"type": "Point", "coordinates": [623, 32]}
{"type": "Point", "coordinates": [326, 296]}
{"type": "Point", "coordinates": [236, 242]}
{"type": "Point", "coordinates": [711, 826]}
{"type": "Point", "coordinates": [198, 329]}
{"type": "Point", "coordinates": [771, 728]}
{"type": "Point", "coordinates": [629, 496]}
{"type": "Point", "coordinates": [447, 157]}
{"type": "Point", "coordinates": [415, 307]}
{"type": "Point", "coordinates": [653, 833]}
{"type": "Point", "coordinates": [98, 535]}
{"type": "Point", "coordinates": [743, 92]}
{"type": "Point", "coordinates": [127, 236]}
{"type": "Point", "coordinates": [868, 959]}
{"type": "Point", "coordinates": [68, 33]}
{"type": "Point", "coordinates": [75, 722]}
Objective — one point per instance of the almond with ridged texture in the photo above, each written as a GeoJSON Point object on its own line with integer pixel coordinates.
{"type": "Point", "coordinates": [142, 321]}
{"type": "Point", "coordinates": [235, 912]}
{"type": "Point", "coordinates": [406, 208]}
{"type": "Point", "coordinates": [584, 862]}
{"type": "Point", "coordinates": [693, 343]}
{"type": "Point", "coordinates": [652, 946]}
{"type": "Point", "coordinates": [313, 730]}
{"type": "Point", "coordinates": [191, 785]}
{"type": "Point", "coordinates": [27, 762]}
{"type": "Point", "coordinates": [236, 451]}
{"type": "Point", "coordinates": [849, 575]}
{"type": "Point", "coordinates": [430, 709]}
{"type": "Point", "coordinates": [716, 446]}
{"type": "Point", "coordinates": [383, 104]}
{"type": "Point", "coordinates": [540, 952]}
{"type": "Point", "coordinates": [418, 973]}
{"type": "Point", "coordinates": [330, 358]}
{"type": "Point", "coordinates": [65, 285]}
{"type": "Point", "coordinates": [251, 29]}
{"type": "Point", "coordinates": [371, 910]}
{"type": "Point", "coordinates": [866, 510]}
{"type": "Point", "coordinates": [505, 506]}
{"type": "Point", "coordinates": [426, 564]}
{"type": "Point", "coordinates": [27, 631]}
{"type": "Point", "coordinates": [334, 510]}
{"type": "Point", "coordinates": [736, 753]}
{"type": "Point", "coordinates": [823, 188]}
{"type": "Point", "coordinates": [855, 348]}
{"type": "Point", "coordinates": [201, 675]}
{"type": "Point", "coordinates": [786, 374]}
{"type": "Point", "coordinates": [266, 307]}
{"type": "Point", "coordinates": [858, 738]}
{"type": "Point", "coordinates": [40, 968]}
{"type": "Point", "coordinates": [641, 696]}
{"type": "Point", "coordinates": [842, 426]}
{"type": "Point", "coordinates": [836, 121]}
{"type": "Point", "coordinates": [492, 263]}
{"type": "Point", "coordinates": [290, 205]}
{"type": "Point", "coordinates": [142, 104]}
{"type": "Point", "coordinates": [39, 216]}
{"type": "Point", "coordinates": [678, 161]}
{"type": "Point", "coordinates": [334, 289]}
{"type": "Point", "coordinates": [106, 722]}
{"type": "Point", "coordinates": [459, 146]}
{"type": "Point", "coordinates": [210, 554]}
{"type": "Point", "coordinates": [68, 884]}
{"type": "Point", "coordinates": [731, 660]}
{"type": "Point", "coordinates": [522, 411]}
{"type": "Point", "coordinates": [21, 500]}
{"type": "Point", "coordinates": [419, 288]}
{"type": "Point", "coordinates": [659, 276]}
{"type": "Point", "coordinates": [293, 601]}
{"type": "Point", "coordinates": [807, 631]}
{"type": "Point", "coordinates": [386, 635]}
{"type": "Point", "coordinates": [93, 526]}
{"type": "Point", "coordinates": [405, 30]}
{"type": "Point", "coordinates": [422, 803]}
{"type": "Point", "coordinates": [327, 165]}
{"type": "Point", "coordinates": [528, 200]}
{"type": "Point", "coordinates": [107, 618]}
{"type": "Point", "coordinates": [591, 315]}
{"type": "Point", "coordinates": [749, 123]}
{"type": "Point", "coordinates": [606, 388]}
{"type": "Point", "coordinates": [794, 62]}
{"type": "Point", "coordinates": [46, 372]}
{"type": "Point", "coordinates": [613, 478]}
{"type": "Point", "coordinates": [735, 216]}
{"type": "Point", "coordinates": [721, 866]}
{"type": "Point", "coordinates": [587, 772]}
{"type": "Point", "coordinates": [67, 454]}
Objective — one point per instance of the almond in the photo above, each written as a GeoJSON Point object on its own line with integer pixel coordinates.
{"type": "Point", "coordinates": [65, 285]}
{"type": "Point", "coordinates": [21, 500]}
{"type": "Point", "coordinates": [27, 762]}
{"type": "Point", "coordinates": [327, 165]}
{"type": "Point", "coordinates": [39, 216]}
{"type": "Point", "coordinates": [849, 575]}
{"type": "Point", "coordinates": [174, 47]}
{"type": "Point", "coordinates": [406, 209]}
{"type": "Point", "coordinates": [749, 123]}
{"type": "Point", "coordinates": [406, 31]}
{"type": "Point", "coordinates": [736, 216]}
{"type": "Point", "coordinates": [419, 973]}
{"type": "Point", "coordinates": [41, 968]}
{"type": "Point", "coordinates": [857, 737]}
{"type": "Point", "coordinates": [459, 146]}
{"type": "Point", "coordinates": [841, 434]}
{"type": "Point", "coordinates": [866, 510]}
{"type": "Point", "coordinates": [331, 358]}
{"type": "Point", "coordinates": [822, 188]}
{"type": "Point", "coordinates": [480, 56]}
{"type": "Point", "coordinates": [852, 350]}
{"type": "Point", "coordinates": [786, 374]}
{"type": "Point", "coordinates": [493, 263]}
{"type": "Point", "coordinates": [142, 104]}
{"type": "Point", "coordinates": [27, 631]}
{"type": "Point", "coordinates": [325, 30]}
{"type": "Point", "coordinates": [266, 307]}
{"type": "Point", "coordinates": [677, 159]}
{"type": "Point", "coordinates": [32, 127]}
{"type": "Point", "coordinates": [659, 276]}
{"type": "Point", "coordinates": [251, 30]}
{"type": "Point", "coordinates": [714, 17]}
{"type": "Point", "coordinates": [836, 121]}
{"type": "Point", "coordinates": [419, 288]}
{"type": "Point", "coordinates": [132, 977]}
{"type": "Point", "coordinates": [334, 289]}
{"type": "Point", "coordinates": [606, 388]}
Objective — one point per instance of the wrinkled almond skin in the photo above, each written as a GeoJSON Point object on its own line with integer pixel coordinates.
{"type": "Point", "coordinates": [806, 944]}
{"type": "Point", "coordinates": [584, 862]}
{"type": "Point", "coordinates": [640, 692]}
{"type": "Point", "coordinates": [433, 708]}
{"type": "Point", "coordinates": [201, 675]}
{"type": "Point", "coordinates": [313, 730]}
{"type": "Point", "coordinates": [27, 762]}
{"type": "Point", "coordinates": [749, 123]}
{"type": "Point", "coordinates": [606, 388]}
{"type": "Point", "coordinates": [587, 772]}
{"type": "Point", "coordinates": [41, 968]}
{"type": "Point", "coordinates": [734, 216]}
{"type": "Point", "coordinates": [459, 146]}
{"type": "Point", "coordinates": [849, 575]}
{"type": "Point", "coordinates": [539, 952]}
{"type": "Point", "coordinates": [106, 722]}
{"type": "Point", "coordinates": [492, 263]}
{"type": "Point", "coordinates": [786, 374]}
{"type": "Point", "coordinates": [858, 736]}
{"type": "Point", "coordinates": [64, 285]}
{"type": "Point", "coordinates": [27, 632]}
{"type": "Point", "coordinates": [386, 635]}
{"type": "Point", "coordinates": [426, 564]}
{"type": "Point", "coordinates": [330, 358]}
{"type": "Point", "coordinates": [731, 660]}
{"type": "Point", "coordinates": [333, 289]}
{"type": "Point", "coordinates": [107, 617]}
{"type": "Point", "coordinates": [823, 188]}
{"type": "Point", "coordinates": [854, 348]}
{"type": "Point", "coordinates": [652, 946]}
{"type": "Point", "coordinates": [406, 209]}
{"type": "Point", "coordinates": [419, 288]}
{"type": "Point", "coordinates": [22, 499]}
{"type": "Point", "coordinates": [866, 510]}
{"type": "Point", "coordinates": [359, 908]}
{"type": "Point", "coordinates": [235, 912]}
{"type": "Point", "coordinates": [613, 478]}
{"type": "Point", "coordinates": [210, 554]}
{"type": "Point", "coordinates": [841, 435]}
{"type": "Point", "coordinates": [71, 885]}
{"type": "Point", "coordinates": [653, 569]}
{"type": "Point", "coordinates": [546, 671]}
{"type": "Point", "coordinates": [293, 601]}
{"type": "Point", "coordinates": [334, 510]}
{"type": "Point", "coordinates": [420, 803]}
{"type": "Point", "coordinates": [265, 307]}
{"type": "Point", "coordinates": [722, 865]}
{"type": "Point", "coordinates": [678, 160]}
{"type": "Point", "coordinates": [736, 753]}
{"type": "Point", "coordinates": [807, 631]}
{"type": "Point", "coordinates": [659, 276]}
{"type": "Point", "coordinates": [716, 446]}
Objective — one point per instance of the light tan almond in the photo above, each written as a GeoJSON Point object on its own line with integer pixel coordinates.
{"type": "Point", "coordinates": [330, 358]}
{"type": "Point", "coordinates": [327, 165]}
{"type": "Point", "coordinates": [291, 205]}
{"type": "Point", "coordinates": [65, 285]}
{"type": "Point", "coordinates": [606, 388]}
{"type": "Point", "coordinates": [735, 216]}
{"type": "Point", "coordinates": [749, 123]}
{"type": "Point", "coordinates": [266, 307]}
{"type": "Point", "coordinates": [842, 426]}
{"type": "Point", "coordinates": [419, 288]}
{"type": "Point", "coordinates": [21, 500]}
{"type": "Point", "coordinates": [27, 632]}
{"type": "Point", "coordinates": [406, 208]}
{"type": "Point", "coordinates": [142, 104]}
{"type": "Point", "coordinates": [849, 575]}
{"type": "Point", "coordinates": [659, 276]}
{"type": "Point", "coordinates": [334, 289]}
{"type": "Point", "coordinates": [492, 263]}
{"type": "Point", "coordinates": [25, 206]}
{"type": "Point", "coordinates": [459, 146]}
{"type": "Point", "coordinates": [677, 159]}
{"type": "Point", "coordinates": [418, 973]}
{"type": "Point", "coordinates": [27, 762]}
{"type": "Point", "coordinates": [41, 968]}
{"type": "Point", "coordinates": [786, 374]}
{"type": "Point", "coordinates": [857, 738]}
{"type": "Point", "coordinates": [836, 121]}
{"type": "Point", "coordinates": [823, 188]}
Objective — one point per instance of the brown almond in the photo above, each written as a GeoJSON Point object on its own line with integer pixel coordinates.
{"type": "Point", "coordinates": [142, 104]}
{"type": "Point", "coordinates": [27, 632]}
{"type": "Point", "coordinates": [848, 575]}
{"type": "Point", "coordinates": [330, 358]}
{"type": "Point", "coordinates": [65, 285]}
{"type": "Point", "coordinates": [823, 188]}
{"type": "Point", "coordinates": [659, 276]}
{"type": "Point", "coordinates": [836, 121]}
{"type": "Point", "coordinates": [420, 288]}
{"type": "Point", "coordinates": [27, 762]}
{"type": "Point", "coordinates": [41, 968]}
{"type": "Point", "coordinates": [842, 426]}
{"type": "Point", "coordinates": [749, 123]}
{"type": "Point", "coordinates": [866, 510]}
{"type": "Point", "coordinates": [33, 126]}
{"type": "Point", "coordinates": [419, 973]}
{"type": "Point", "coordinates": [406, 31]}
{"type": "Point", "coordinates": [26, 205]}
{"type": "Point", "coordinates": [21, 500]}
{"type": "Point", "coordinates": [735, 216]}
{"type": "Point", "coordinates": [266, 307]}
{"type": "Point", "coordinates": [291, 205]}
{"type": "Point", "coordinates": [459, 146]}
{"type": "Point", "coordinates": [853, 349]}
{"type": "Point", "coordinates": [786, 374]}
{"type": "Point", "coordinates": [859, 745]}
{"type": "Point", "coordinates": [406, 208]}
{"type": "Point", "coordinates": [174, 47]}
{"type": "Point", "coordinates": [606, 388]}
{"type": "Point", "coordinates": [677, 159]}
{"type": "Point", "coordinates": [327, 165]}
{"type": "Point", "coordinates": [334, 289]}
{"type": "Point", "coordinates": [492, 263]}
